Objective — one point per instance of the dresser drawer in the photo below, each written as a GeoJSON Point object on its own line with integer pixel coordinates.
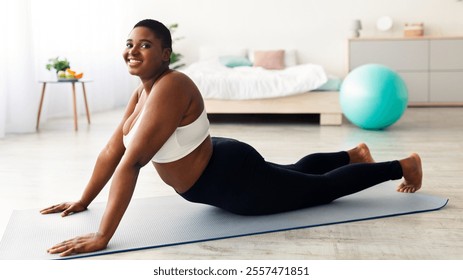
{"type": "Point", "coordinates": [397, 54]}
{"type": "Point", "coordinates": [446, 86]}
{"type": "Point", "coordinates": [446, 54]}
{"type": "Point", "coordinates": [417, 86]}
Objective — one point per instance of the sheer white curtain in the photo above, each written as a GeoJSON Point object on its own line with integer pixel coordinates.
{"type": "Point", "coordinates": [90, 34]}
{"type": "Point", "coordinates": [16, 69]}
{"type": "Point", "coordinates": [3, 21]}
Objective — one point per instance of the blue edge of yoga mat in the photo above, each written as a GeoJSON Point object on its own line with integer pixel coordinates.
{"type": "Point", "coordinates": [167, 221]}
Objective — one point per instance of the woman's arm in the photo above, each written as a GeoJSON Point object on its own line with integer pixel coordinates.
{"type": "Point", "coordinates": [104, 168]}
{"type": "Point", "coordinates": [122, 188]}
{"type": "Point", "coordinates": [164, 110]}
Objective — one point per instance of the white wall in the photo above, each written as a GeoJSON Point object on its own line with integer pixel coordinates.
{"type": "Point", "coordinates": [317, 29]}
{"type": "Point", "coordinates": [92, 33]}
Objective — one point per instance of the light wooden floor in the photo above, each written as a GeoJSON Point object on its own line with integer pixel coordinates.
{"type": "Point", "coordinates": [54, 165]}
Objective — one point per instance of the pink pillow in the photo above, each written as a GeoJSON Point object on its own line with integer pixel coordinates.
{"type": "Point", "coordinates": [273, 60]}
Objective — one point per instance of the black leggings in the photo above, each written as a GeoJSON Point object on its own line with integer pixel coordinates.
{"type": "Point", "coordinates": [239, 180]}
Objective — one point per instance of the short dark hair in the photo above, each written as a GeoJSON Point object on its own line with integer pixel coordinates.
{"type": "Point", "coordinates": [159, 29]}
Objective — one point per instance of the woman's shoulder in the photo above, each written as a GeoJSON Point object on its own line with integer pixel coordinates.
{"type": "Point", "coordinates": [178, 79]}
{"type": "Point", "coordinates": [177, 76]}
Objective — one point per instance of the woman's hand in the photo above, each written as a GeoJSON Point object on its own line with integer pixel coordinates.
{"type": "Point", "coordinates": [65, 208]}
{"type": "Point", "coordinates": [81, 244]}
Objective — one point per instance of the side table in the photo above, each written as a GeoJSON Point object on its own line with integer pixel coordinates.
{"type": "Point", "coordinates": [73, 84]}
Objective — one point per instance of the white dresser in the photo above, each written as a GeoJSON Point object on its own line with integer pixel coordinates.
{"type": "Point", "coordinates": [432, 67]}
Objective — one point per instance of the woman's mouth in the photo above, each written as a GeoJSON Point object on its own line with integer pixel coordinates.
{"type": "Point", "coordinates": [133, 62]}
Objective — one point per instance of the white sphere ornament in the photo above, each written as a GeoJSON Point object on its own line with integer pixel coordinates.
{"type": "Point", "coordinates": [384, 23]}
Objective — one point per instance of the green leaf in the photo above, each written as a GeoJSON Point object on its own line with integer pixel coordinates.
{"type": "Point", "coordinates": [175, 57]}
{"type": "Point", "coordinates": [58, 64]}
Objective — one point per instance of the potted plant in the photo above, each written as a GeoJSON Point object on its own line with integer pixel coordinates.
{"type": "Point", "coordinates": [175, 57]}
{"type": "Point", "coordinates": [60, 66]}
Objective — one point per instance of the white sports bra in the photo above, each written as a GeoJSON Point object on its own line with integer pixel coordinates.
{"type": "Point", "coordinates": [182, 142]}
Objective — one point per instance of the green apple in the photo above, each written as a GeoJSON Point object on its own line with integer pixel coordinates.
{"type": "Point", "coordinates": [61, 74]}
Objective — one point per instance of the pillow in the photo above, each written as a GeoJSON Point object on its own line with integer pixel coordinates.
{"type": "Point", "coordinates": [234, 61]}
{"type": "Point", "coordinates": [273, 60]}
{"type": "Point", "coordinates": [333, 84]}
{"type": "Point", "coordinates": [290, 57]}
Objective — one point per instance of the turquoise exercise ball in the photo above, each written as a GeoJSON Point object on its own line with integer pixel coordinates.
{"type": "Point", "coordinates": [373, 97]}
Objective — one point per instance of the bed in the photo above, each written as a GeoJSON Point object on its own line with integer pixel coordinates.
{"type": "Point", "coordinates": [266, 82]}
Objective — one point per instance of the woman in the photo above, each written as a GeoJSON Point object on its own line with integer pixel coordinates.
{"type": "Point", "coordinates": [165, 122]}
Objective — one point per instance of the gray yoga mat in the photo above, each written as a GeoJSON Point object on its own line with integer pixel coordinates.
{"type": "Point", "coordinates": [165, 221]}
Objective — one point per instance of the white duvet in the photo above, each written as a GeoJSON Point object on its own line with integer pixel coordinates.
{"type": "Point", "coordinates": [216, 81]}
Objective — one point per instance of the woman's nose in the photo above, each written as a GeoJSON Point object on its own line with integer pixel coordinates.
{"type": "Point", "coordinates": [133, 50]}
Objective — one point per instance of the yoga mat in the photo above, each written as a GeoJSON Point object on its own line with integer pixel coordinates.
{"type": "Point", "coordinates": [165, 221]}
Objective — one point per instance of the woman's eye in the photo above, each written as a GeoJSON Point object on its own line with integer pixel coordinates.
{"type": "Point", "coordinates": [129, 45]}
{"type": "Point", "coordinates": [146, 46]}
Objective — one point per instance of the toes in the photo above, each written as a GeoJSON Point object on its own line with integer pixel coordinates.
{"type": "Point", "coordinates": [406, 188]}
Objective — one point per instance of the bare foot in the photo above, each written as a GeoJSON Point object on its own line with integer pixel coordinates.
{"type": "Point", "coordinates": [413, 174]}
{"type": "Point", "coordinates": [360, 154]}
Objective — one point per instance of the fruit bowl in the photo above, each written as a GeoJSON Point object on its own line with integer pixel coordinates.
{"type": "Point", "coordinates": [67, 80]}
{"type": "Point", "coordinates": [69, 75]}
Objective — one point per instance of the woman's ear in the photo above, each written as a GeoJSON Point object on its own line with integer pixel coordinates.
{"type": "Point", "coordinates": [166, 52]}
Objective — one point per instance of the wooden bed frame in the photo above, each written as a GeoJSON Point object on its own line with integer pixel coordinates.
{"type": "Point", "coordinates": [325, 103]}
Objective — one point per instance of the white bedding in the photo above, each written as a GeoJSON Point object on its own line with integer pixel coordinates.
{"type": "Point", "coordinates": [217, 81]}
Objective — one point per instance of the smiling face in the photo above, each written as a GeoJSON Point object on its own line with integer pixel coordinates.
{"type": "Point", "coordinates": [144, 54]}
